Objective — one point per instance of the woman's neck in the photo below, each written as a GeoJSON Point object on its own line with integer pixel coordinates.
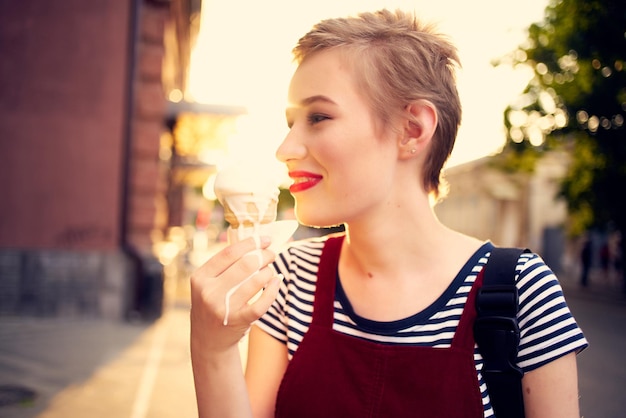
{"type": "Point", "coordinates": [394, 241]}
{"type": "Point", "coordinates": [405, 243]}
{"type": "Point", "coordinates": [393, 270]}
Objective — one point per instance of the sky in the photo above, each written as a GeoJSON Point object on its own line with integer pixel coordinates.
{"type": "Point", "coordinates": [243, 57]}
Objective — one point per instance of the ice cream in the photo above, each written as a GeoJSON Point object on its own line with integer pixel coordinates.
{"type": "Point", "coordinates": [249, 197]}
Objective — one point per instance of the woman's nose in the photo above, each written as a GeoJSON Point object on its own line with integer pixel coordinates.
{"type": "Point", "coordinates": [291, 148]}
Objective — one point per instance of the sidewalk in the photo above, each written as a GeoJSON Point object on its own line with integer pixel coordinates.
{"type": "Point", "coordinates": [97, 369]}
{"type": "Point", "coordinates": [151, 378]}
{"type": "Point", "coordinates": [92, 368]}
{"type": "Point", "coordinates": [599, 288]}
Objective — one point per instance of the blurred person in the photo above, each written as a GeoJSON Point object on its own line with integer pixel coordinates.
{"type": "Point", "coordinates": [372, 321]}
{"type": "Point", "coordinates": [618, 262]}
{"type": "Point", "coordinates": [605, 258]}
{"type": "Point", "coordinates": [586, 256]}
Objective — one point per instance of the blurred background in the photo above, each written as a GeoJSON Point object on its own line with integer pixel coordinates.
{"type": "Point", "coordinates": [116, 115]}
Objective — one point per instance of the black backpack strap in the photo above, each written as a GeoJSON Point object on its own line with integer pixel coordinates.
{"type": "Point", "coordinates": [497, 333]}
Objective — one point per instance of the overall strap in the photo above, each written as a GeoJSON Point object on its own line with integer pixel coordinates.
{"type": "Point", "coordinates": [324, 300]}
{"type": "Point", "coordinates": [496, 332]}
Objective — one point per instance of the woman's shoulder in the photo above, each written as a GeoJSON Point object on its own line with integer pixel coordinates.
{"type": "Point", "coordinates": [532, 269]}
{"type": "Point", "coordinates": [302, 256]}
{"type": "Point", "coordinates": [311, 247]}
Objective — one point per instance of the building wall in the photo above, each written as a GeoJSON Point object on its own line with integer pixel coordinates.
{"type": "Point", "coordinates": [63, 80]}
{"type": "Point", "coordinates": [146, 208]}
{"type": "Point", "coordinates": [509, 209]}
{"type": "Point", "coordinates": [81, 113]}
{"type": "Point", "coordinates": [483, 202]}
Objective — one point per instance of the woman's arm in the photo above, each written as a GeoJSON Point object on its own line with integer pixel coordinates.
{"type": "Point", "coordinates": [547, 330]}
{"type": "Point", "coordinates": [551, 391]}
{"type": "Point", "coordinates": [266, 365]}
{"type": "Point", "coordinates": [220, 387]}
{"type": "Point", "coordinates": [241, 269]}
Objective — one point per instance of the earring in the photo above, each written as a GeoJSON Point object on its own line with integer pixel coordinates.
{"type": "Point", "coordinates": [413, 150]}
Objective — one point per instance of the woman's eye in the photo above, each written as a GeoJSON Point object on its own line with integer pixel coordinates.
{"type": "Point", "coordinates": [316, 118]}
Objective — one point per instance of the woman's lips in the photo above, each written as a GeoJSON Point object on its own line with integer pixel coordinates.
{"type": "Point", "coordinates": [303, 180]}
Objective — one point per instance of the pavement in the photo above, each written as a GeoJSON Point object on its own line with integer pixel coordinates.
{"type": "Point", "coordinates": [66, 368]}
{"type": "Point", "coordinates": [600, 288]}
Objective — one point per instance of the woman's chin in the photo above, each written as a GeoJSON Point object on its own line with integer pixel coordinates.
{"type": "Point", "coordinates": [316, 222]}
{"type": "Point", "coordinates": [312, 218]}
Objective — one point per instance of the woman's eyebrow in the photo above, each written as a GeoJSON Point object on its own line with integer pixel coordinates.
{"type": "Point", "coordinates": [316, 98]}
{"type": "Point", "coordinates": [312, 99]}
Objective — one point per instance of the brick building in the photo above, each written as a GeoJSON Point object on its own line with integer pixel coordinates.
{"type": "Point", "coordinates": [83, 87]}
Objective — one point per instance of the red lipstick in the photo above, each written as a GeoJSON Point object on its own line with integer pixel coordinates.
{"type": "Point", "coordinates": [303, 180]}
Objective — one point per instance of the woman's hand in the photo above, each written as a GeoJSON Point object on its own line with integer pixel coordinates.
{"type": "Point", "coordinates": [222, 311]}
{"type": "Point", "coordinates": [221, 293]}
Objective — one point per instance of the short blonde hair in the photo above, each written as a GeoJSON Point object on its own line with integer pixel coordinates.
{"type": "Point", "coordinates": [397, 60]}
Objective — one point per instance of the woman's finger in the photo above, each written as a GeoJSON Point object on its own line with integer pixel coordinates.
{"type": "Point", "coordinates": [247, 289]}
{"type": "Point", "coordinates": [253, 311]}
{"type": "Point", "coordinates": [229, 255]}
{"type": "Point", "coordinates": [208, 282]}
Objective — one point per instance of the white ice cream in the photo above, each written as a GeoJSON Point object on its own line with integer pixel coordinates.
{"type": "Point", "coordinates": [249, 196]}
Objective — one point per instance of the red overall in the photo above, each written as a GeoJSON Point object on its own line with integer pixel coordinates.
{"type": "Point", "coordinates": [337, 375]}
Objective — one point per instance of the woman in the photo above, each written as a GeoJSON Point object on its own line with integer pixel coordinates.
{"type": "Point", "coordinates": [372, 322]}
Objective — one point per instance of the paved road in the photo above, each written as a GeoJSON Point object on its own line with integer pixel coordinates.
{"type": "Point", "coordinates": [48, 355]}
{"type": "Point", "coordinates": [602, 367]}
{"type": "Point", "coordinates": [99, 370]}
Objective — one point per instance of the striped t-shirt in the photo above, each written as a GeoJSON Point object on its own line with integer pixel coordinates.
{"type": "Point", "coordinates": [547, 328]}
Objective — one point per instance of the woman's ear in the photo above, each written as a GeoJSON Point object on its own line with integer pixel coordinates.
{"type": "Point", "coordinates": [419, 126]}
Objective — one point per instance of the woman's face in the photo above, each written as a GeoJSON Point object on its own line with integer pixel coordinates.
{"type": "Point", "coordinates": [342, 166]}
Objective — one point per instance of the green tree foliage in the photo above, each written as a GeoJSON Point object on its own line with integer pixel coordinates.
{"type": "Point", "coordinates": [576, 101]}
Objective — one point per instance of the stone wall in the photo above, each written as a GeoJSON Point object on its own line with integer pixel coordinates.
{"type": "Point", "coordinates": [65, 283]}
